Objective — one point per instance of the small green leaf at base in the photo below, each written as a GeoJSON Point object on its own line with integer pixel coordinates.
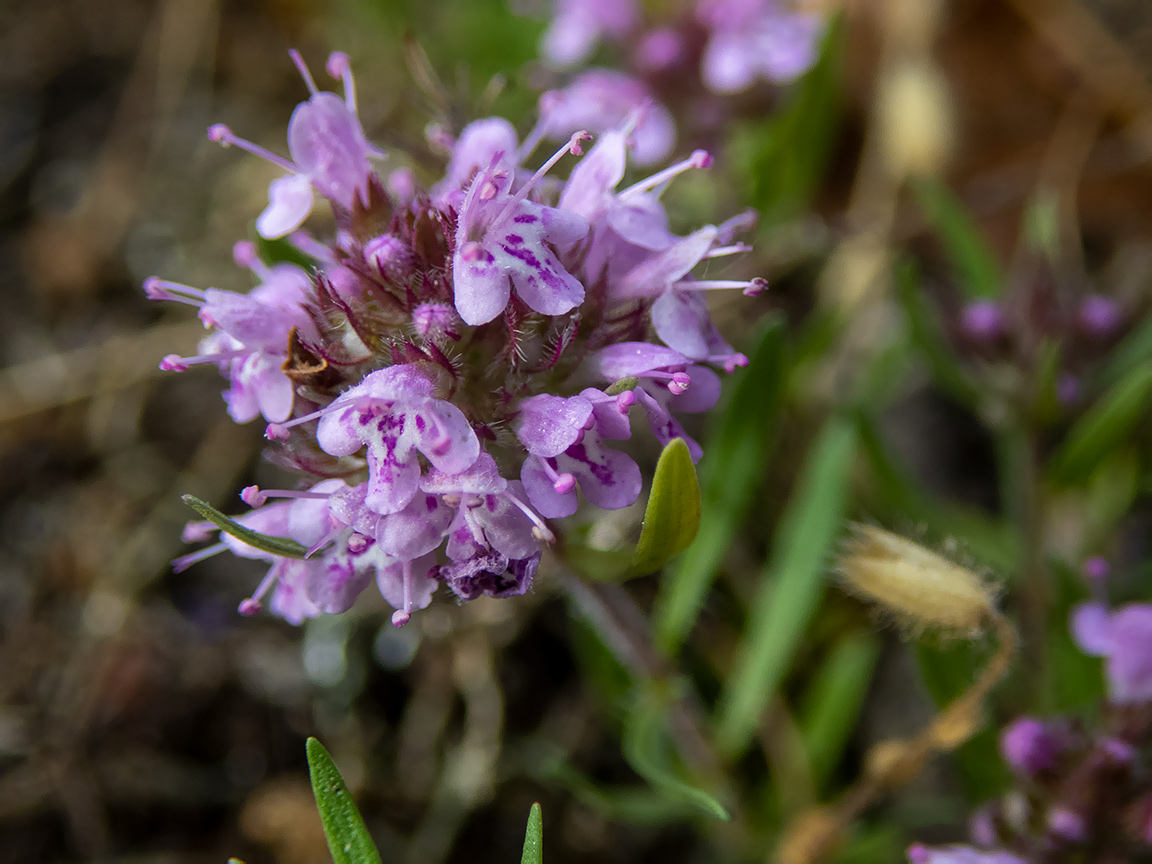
{"type": "Point", "coordinates": [348, 838]}
{"type": "Point", "coordinates": [282, 546]}
{"type": "Point", "coordinates": [534, 838]}
{"type": "Point", "coordinates": [672, 516]}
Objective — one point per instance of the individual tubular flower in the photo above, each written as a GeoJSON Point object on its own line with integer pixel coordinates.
{"type": "Point", "coordinates": [600, 100]}
{"type": "Point", "coordinates": [452, 372]}
{"type": "Point", "coordinates": [1124, 638]}
{"type": "Point", "coordinates": [329, 153]}
{"type": "Point", "coordinates": [579, 24]}
{"type": "Point", "coordinates": [751, 39]}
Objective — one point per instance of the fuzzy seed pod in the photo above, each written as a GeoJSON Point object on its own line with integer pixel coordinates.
{"type": "Point", "coordinates": [917, 585]}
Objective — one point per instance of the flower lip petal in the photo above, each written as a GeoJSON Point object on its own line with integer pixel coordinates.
{"type": "Point", "coordinates": [548, 425]}
{"type": "Point", "coordinates": [627, 359]}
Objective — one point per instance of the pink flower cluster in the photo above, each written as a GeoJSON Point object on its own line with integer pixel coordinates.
{"type": "Point", "coordinates": [450, 372]}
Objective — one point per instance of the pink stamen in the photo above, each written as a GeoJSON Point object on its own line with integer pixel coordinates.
{"type": "Point", "coordinates": [540, 532]}
{"type": "Point", "coordinates": [699, 159]}
{"type": "Point", "coordinates": [325, 540]}
{"type": "Point", "coordinates": [680, 382]}
{"type": "Point", "coordinates": [402, 616]}
{"type": "Point", "coordinates": [625, 401]}
{"type": "Point", "coordinates": [751, 288]}
{"type": "Point", "coordinates": [302, 67]}
{"type": "Point", "coordinates": [562, 483]}
{"type": "Point", "coordinates": [179, 565]}
{"type": "Point", "coordinates": [573, 146]}
{"type": "Point", "coordinates": [339, 67]}
{"type": "Point", "coordinates": [254, 496]}
{"type": "Point", "coordinates": [251, 605]}
{"type": "Point", "coordinates": [156, 288]}
{"type": "Point", "coordinates": [222, 135]}
{"type": "Point", "coordinates": [176, 363]}
{"type": "Point", "coordinates": [358, 543]}
{"type": "Point", "coordinates": [734, 249]}
{"type": "Point", "coordinates": [279, 431]}
{"type": "Point", "coordinates": [732, 361]}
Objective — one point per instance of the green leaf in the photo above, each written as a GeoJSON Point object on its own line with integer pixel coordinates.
{"type": "Point", "coordinates": [1134, 349]}
{"type": "Point", "coordinates": [283, 546]}
{"type": "Point", "coordinates": [730, 473]}
{"type": "Point", "coordinates": [834, 700]}
{"type": "Point", "coordinates": [672, 516]}
{"type": "Point", "coordinates": [964, 245]}
{"type": "Point", "coordinates": [1104, 427]}
{"type": "Point", "coordinates": [281, 251]}
{"type": "Point", "coordinates": [793, 580]}
{"type": "Point", "coordinates": [348, 838]}
{"type": "Point", "coordinates": [533, 838]}
{"type": "Point", "coordinates": [646, 750]}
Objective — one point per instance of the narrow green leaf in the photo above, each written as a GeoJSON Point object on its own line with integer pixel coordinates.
{"type": "Point", "coordinates": [1104, 427]}
{"type": "Point", "coordinates": [1134, 349]}
{"type": "Point", "coordinates": [283, 546]}
{"type": "Point", "coordinates": [730, 472]}
{"type": "Point", "coordinates": [646, 750]}
{"type": "Point", "coordinates": [348, 838]}
{"type": "Point", "coordinates": [533, 838]}
{"type": "Point", "coordinates": [672, 516]}
{"type": "Point", "coordinates": [964, 245]}
{"type": "Point", "coordinates": [793, 580]}
{"type": "Point", "coordinates": [832, 704]}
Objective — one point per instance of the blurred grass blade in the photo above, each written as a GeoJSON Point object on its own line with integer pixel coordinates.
{"type": "Point", "coordinates": [646, 750]}
{"type": "Point", "coordinates": [964, 245]}
{"type": "Point", "coordinates": [730, 472]}
{"type": "Point", "coordinates": [672, 516]}
{"type": "Point", "coordinates": [832, 705]}
{"type": "Point", "coordinates": [782, 159]}
{"type": "Point", "coordinates": [1104, 427]}
{"type": "Point", "coordinates": [793, 579]}
{"type": "Point", "coordinates": [348, 838]}
{"type": "Point", "coordinates": [283, 546]}
{"type": "Point", "coordinates": [533, 838]}
{"type": "Point", "coordinates": [1133, 350]}
{"type": "Point", "coordinates": [929, 338]}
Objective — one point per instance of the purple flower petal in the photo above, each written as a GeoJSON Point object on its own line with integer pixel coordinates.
{"type": "Point", "coordinates": [416, 530]}
{"type": "Point", "coordinates": [328, 144]}
{"type": "Point", "coordinates": [541, 490]}
{"type": "Point", "coordinates": [549, 425]}
{"type": "Point", "coordinates": [289, 203]}
{"type": "Point", "coordinates": [1091, 626]}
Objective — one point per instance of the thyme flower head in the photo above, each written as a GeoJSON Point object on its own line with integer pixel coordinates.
{"type": "Point", "coordinates": [451, 371]}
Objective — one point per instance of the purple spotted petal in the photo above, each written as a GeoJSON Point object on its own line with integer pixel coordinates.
{"type": "Point", "coordinates": [548, 425]}
{"type": "Point", "coordinates": [335, 585]}
{"type": "Point", "coordinates": [607, 478]}
{"type": "Point", "coordinates": [444, 436]}
{"type": "Point", "coordinates": [393, 475]}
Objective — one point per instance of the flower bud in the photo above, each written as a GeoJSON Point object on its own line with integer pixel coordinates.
{"type": "Point", "coordinates": [1030, 747]}
{"type": "Point", "coordinates": [917, 585]}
